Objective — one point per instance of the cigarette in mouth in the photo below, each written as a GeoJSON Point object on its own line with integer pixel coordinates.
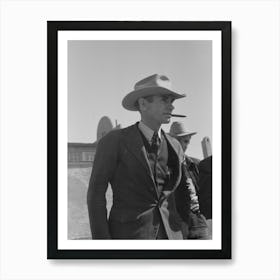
{"type": "Point", "coordinates": [178, 116]}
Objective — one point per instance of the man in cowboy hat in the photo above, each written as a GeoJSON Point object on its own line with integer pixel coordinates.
{"type": "Point", "coordinates": [144, 167]}
{"type": "Point", "coordinates": [197, 223]}
{"type": "Point", "coordinates": [178, 130]}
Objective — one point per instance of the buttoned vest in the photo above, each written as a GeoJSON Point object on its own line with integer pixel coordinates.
{"type": "Point", "coordinates": [158, 162]}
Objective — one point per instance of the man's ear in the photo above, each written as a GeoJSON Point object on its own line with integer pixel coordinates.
{"type": "Point", "coordinates": [142, 104]}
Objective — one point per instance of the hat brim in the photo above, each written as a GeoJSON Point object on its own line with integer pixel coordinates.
{"type": "Point", "coordinates": [183, 134]}
{"type": "Point", "coordinates": [130, 99]}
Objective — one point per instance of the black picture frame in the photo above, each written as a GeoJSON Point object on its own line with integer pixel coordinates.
{"type": "Point", "coordinates": [53, 27]}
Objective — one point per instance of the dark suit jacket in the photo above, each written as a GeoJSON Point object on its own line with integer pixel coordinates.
{"type": "Point", "coordinates": [138, 208]}
{"type": "Point", "coordinates": [205, 187]}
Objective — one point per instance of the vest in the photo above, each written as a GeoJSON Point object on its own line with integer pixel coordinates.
{"type": "Point", "coordinates": [158, 162]}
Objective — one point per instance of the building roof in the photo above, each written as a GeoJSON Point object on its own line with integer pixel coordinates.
{"type": "Point", "coordinates": [89, 145]}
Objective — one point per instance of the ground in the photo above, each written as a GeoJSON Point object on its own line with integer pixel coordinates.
{"type": "Point", "coordinates": [78, 222]}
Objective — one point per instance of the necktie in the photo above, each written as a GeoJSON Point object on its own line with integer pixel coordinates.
{"type": "Point", "coordinates": [155, 143]}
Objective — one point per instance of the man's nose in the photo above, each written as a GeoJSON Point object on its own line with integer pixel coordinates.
{"type": "Point", "coordinates": [170, 105]}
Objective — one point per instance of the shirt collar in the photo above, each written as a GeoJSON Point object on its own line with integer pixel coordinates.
{"type": "Point", "coordinates": [148, 132]}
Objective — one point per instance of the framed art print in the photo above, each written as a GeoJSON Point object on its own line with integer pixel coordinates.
{"type": "Point", "coordinates": [110, 196]}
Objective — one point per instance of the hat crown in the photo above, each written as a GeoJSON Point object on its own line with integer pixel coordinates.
{"type": "Point", "coordinates": [178, 129]}
{"type": "Point", "coordinates": [155, 80]}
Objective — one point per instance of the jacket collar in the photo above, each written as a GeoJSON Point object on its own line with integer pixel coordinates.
{"type": "Point", "coordinates": [133, 142]}
{"type": "Point", "coordinates": [147, 131]}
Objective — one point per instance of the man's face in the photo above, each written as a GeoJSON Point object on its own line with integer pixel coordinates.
{"type": "Point", "coordinates": [185, 141]}
{"type": "Point", "coordinates": [159, 109]}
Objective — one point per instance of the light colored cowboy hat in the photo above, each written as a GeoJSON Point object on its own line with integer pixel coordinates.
{"type": "Point", "coordinates": [152, 85]}
{"type": "Point", "coordinates": [177, 129]}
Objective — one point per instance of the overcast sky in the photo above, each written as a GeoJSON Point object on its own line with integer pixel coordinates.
{"type": "Point", "coordinates": [101, 73]}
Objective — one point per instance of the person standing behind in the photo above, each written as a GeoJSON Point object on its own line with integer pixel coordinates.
{"type": "Point", "coordinates": [197, 224]}
{"type": "Point", "coordinates": [144, 167]}
{"type": "Point", "coordinates": [205, 190]}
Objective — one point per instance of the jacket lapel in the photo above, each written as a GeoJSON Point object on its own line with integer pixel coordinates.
{"type": "Point", "coordinates": [175, 150]}
{"type": "Point", "coordinates": [134, 144]}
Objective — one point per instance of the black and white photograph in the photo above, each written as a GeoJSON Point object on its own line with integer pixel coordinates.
{"type": "Point", "coordinates": [139, 140]}
{"type": "Point", "coordinates": [143, 140]}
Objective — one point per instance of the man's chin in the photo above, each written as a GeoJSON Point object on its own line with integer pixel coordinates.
{"type": "Point", "coordinates": [166, 120]}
